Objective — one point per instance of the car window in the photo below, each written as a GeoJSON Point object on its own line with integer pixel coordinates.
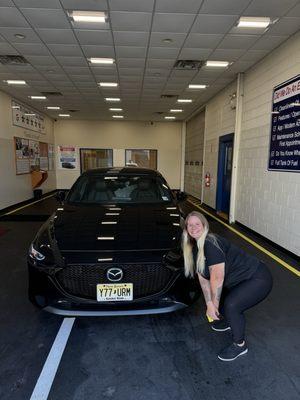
{"type": "Point", "coordinates": [119, 189]}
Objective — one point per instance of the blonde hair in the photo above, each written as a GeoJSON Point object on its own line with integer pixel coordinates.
{"type": "Point", "coordinates": [187, 246]}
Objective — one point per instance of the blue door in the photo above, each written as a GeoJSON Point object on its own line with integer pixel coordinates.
{"type": "Point", "coordinates": [224, 173]}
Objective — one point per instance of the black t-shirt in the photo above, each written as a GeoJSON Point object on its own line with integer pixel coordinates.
{"type": "Point", "coordinates": [239, 265]}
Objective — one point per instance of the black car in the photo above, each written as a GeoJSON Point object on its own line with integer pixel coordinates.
{"type": "Point", "coordinates": [112, 248]}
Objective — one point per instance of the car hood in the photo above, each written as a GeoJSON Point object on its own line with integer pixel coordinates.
{"type": "Point", "coordinates": [104, 228]}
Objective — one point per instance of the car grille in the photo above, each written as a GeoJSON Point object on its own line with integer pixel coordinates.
{"type": "Point", "coordinates": [147, 278]}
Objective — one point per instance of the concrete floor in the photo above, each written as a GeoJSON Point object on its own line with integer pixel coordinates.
{"type": "Point", "coordinates": [169, 356]}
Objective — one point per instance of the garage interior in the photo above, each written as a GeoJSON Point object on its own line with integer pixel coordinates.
{"type": "Point", "coordinates": [153, 51]}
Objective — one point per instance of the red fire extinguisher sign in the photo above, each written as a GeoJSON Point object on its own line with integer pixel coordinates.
{"type": "Point", "coordinates": [207, 179]}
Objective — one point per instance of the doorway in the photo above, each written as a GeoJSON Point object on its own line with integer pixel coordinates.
{"type": "Point", "coordinates": [224, 175]}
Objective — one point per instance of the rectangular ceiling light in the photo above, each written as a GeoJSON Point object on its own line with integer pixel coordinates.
{"type": "Point", "coordinates": [88, 16]}
{"type": "Point", "coordinates": [197, 86]}
{"type": "Point", "coordinates": [15, 82]}
{"type": "Point", "coordinates": [95, 60]}
{"type": "Point", "coordinates": [53, 108]}
{"type": "Point", "coordinates": [116, 109]}
{"type": "Point", "coordinates": [108, 84]}
{"type": "Point", "coordinates": [37, 97]}
{"type": "Point", "coordinates": [217, 64]}
{"type": "Point", "coordinates": [29, 114]}
{"type": "Point", "coordinates": [117, 116]}
{"type": "Point", "coordinates": [176, 110]}
{"type": "Point", "coordinates": [254, 22]}
{"type": "Point", "coordinates": [184, 101]}
{"type": "Point", "coordinates": [167, 117]}
{"type": "Point", "coordinates": [64, 115]}
{"type": "Point", "coordinates": [113, 99]}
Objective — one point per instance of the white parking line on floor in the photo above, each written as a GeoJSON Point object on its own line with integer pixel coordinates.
{"type": "Point", "coordinates": [46, 378]}
{"type": "Point", "coordinates": [30, 204]}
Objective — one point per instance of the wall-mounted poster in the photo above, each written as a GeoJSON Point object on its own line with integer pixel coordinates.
{"type": "Point", "coordinates": [51, 156]}
{"type": "Point", "coordinates": [67, 157]}
{"type": "Point", "coordinates": [26, 117]}
{"type": "Point", "coordinates": [44, 165]}
{"type": "Point", "coordinates": [284, 154]}
{"type": "Point", "coordinates": [22, 156]}
{"type": "Point", "coordinates": [34, 154]}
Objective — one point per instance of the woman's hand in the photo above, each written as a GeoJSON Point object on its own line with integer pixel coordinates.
{"type": "Point", "coordinates": [212, 311]}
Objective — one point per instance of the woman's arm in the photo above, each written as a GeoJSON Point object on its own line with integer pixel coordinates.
{"type": "Point", "coordinates": [211, 311]}
{"type": "Point", "coordinates": [217, 273]}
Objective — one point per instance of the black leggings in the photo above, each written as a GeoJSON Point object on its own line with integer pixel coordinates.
{"type": "Point", "coordinates": [244, 296]}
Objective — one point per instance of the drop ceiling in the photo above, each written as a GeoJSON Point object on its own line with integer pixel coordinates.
{"type": "Point", "coordinates": [145, 37]}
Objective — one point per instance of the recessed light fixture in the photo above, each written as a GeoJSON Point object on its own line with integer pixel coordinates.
{"type": "Point", "coordinates": [167, 40]}
{"type": "Point", "coordinates": [176, 110]}
{"type": "Point", "coordinates": [108, 84]}
{"type": "Point", "coordinates": [15, 82]}
{"type": "Point", "coordinates": [113, 99]}
{"type": "Point", "coordinates": [53, 108]}
{"type": "Point", "coordinates": [118, 116]}
{"type": "Point", "coordinates": [37, 97]}
{"type": "Point", "coordinates": [254, 22]}
{"type": "Point", "coordinates": [19, 36]}
{"type": "Point", "coordinates": [64, 115]}
{"type": "Point", "coordinates": [217, 64]}
{"type": "Point", "coordinates": [169, 117]}
{"type": "Point", "coordinates": [95, 60]}
{"type": "Point", "coordinates": [197, 86]}
{"type": "Point", "coordinates": [184, 101]}
{"type": "Point", "coordinates": [116, 109]}
{"type": "Point", "coordinates": [88, 16]}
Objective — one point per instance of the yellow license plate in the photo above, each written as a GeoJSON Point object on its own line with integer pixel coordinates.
{"type": "Point", "coordinates": [114, 292]}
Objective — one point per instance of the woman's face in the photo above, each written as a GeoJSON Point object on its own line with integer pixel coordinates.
{"type": "Point", "coordinates": [194, 227]}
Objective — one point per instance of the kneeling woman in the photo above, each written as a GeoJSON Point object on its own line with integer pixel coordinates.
{"type": "Point", "coordinates": [222, 268]}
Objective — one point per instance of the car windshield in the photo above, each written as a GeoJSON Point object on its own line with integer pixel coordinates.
{"type": "Point", "coordinates": [103, 189]}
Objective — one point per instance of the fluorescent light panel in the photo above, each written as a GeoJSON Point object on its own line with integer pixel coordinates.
{"type": "Point", "coordinates": [15, 82]}
{"type": "Point", "coordinates": [176, 110]}
{"type": "Point", "coordinates": [53, 108]}
{"type": "Point", "coordinates": [88, 16]}
{"type": "Point", "coordinates": [112, 99]}
{"type": "Point", "coordinates": [29, 114]}
{"type": "Point", "coordinates": [37, 97]}
{"type": "Point", "coordinates": [217, 64]}
{"type": "Point", "coordinates": [64, 115]}
{"type": "Point", "coordinates": [95, 60]}
{"type": "Point", "coordinates": [116, 109]}
{"type": "Point", "coordinates": [108, 84]}
{"type": "Point", "coordinates": [118, 116]}
{"type": "Point", "coordinates": [184, 101]}
{"type": "Point", "coordinates": [168, 117]}
{"type": "Point", "coordinates": [254, 22]}
{"type": "Point", "coordinates": [197, 86]}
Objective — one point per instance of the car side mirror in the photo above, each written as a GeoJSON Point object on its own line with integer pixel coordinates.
{"type": "Point", "coordinates": [60, 196]}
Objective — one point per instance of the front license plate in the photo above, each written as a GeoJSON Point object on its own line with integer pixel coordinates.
{"type": "Point", "coordinates": [114, 292]}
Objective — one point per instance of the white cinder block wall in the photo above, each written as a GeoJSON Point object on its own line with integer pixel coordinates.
{"type": "Point", "coordinates": [267, 201]}
{"type": "Point", "coordinates": [194, 154]}
{"type": "Point", "coordinates": [17, 188]}
{"type": "Point", "coordinates": [219, 121]}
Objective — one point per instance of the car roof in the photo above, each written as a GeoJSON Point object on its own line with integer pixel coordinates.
{"type": "Point", "coordinates": [123, 171]}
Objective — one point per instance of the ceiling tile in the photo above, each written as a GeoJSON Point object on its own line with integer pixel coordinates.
{"type": "Point", "coordinates": [9, 34]}
{"type": "Point", "coordinates": [57, 36]}
{"type": "Point", "coordinates": [285, 26]}
{"type": "Point", "coordinates": [130, 21]}
{"type": "Point", "coordinates": [130, 51]}
{"type": "Point", "coordinates": [160, 63]}
{"type": "Point", "coordinates": [131, 5]}
{"type": "Point", "coordinates": [163, 52]}
{"type": "Point", "coordinates": [124, 38]}
{"type": "Point", "coordinates": [44, 18]}
{"type": "Point", "coordinates": [157, 39]}
{"type": "Point", "coordinates": [131, 62]}
{"type": "Point", "coordinates": [238, 41]}
{"type": "Point", "coordinates": [65, 50]}
{"type": "Point", "coordinates": [38, 3]}
{"type": "Point", "coordinates": [202, 40]}
{"type": "Point", "coordinates": [6, 48]}
{"type": "Point", "coordinates": [34, 49]}
{"type": "Point", "coordinates": [77, 70]}
{"type": "Point", "coordinates": [98, 51]}
{"type": "Point", "coordinates": [76, 61]}
{"type": "Point", "coordinates": [94, 37]}
{"type": "Point", "coordinates": [130, 71]}
{"type": "Point", "coordinates": [11, 17]}
{"type": "Point", "coordinates": [6, 3]}
{"type": "Point", "coordinates": [253, 55]}
{"type": "Point", "coordinates": [177, 6]}
{"type": "Point", "coordinates": [268, 42]}
{"type": "Point", "coordinates": [194, 54]}
{"type": "Point", "coordinates": [172, 22]}
{"type": "Point", "coordinates": [277, 8]}
{"type": "Point", "coordinates": [157, 72]}
{"type": "Point", "coordinates": [42, 60]}
{"type": "Point", "coordinates": [241, 66]}
{"type": "Point", "coordinates": [294, 12]}
{"type": "Point", "coordinates": [57, 77]}
{"type": "Point", "coordinates": [98, 5]}
{"type": "Point", "coordinates": [214, 23]}
{"type": "Point", "coordinates": [231, 7]}
{"type": "Point", "coordinates": [226, 54]}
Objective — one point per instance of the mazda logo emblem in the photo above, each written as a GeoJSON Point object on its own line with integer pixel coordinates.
{"type": "Point", "coordinates": [114, 274]}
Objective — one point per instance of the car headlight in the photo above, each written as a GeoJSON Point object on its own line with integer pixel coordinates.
{"type": "Point", "coordinates": [35, 254]}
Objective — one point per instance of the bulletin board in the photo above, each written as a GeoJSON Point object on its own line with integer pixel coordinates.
{"type": "Point", "coordinates": [22, 155]}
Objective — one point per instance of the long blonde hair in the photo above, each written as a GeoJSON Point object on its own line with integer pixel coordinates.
{"type": "Point", "coordinates": [187, 246]}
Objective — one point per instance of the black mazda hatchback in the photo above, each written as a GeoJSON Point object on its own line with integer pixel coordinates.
{"type": "Point", "coordinates": [112, 248]}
